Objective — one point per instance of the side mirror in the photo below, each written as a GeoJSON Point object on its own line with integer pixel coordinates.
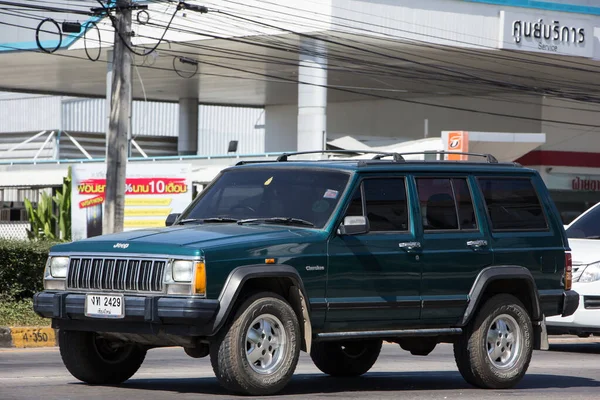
{"type": "Point", "coordinates": [171, 218]}
{"type": "Point", "coordinates": [355, 225]}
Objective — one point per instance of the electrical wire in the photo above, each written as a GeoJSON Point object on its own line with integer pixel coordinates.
{"type": "Point", "coordinates": [508, 85]}
{"type": "Point", "coordinates": [37, 36]}
{"type": "Point", "coordinates": [183, 61]}
{"type": "Point", "coordinates": [125, 42]}
{"type": "Point", "coordinates": [434, 105]}
{"type": "Point", "coordinates": [86, 30]}
{"type": "Point", "coordinates": [45, 8]}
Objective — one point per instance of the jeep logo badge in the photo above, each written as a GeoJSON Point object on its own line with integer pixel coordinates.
{"type": "Point", "coordinates": [121, 246]}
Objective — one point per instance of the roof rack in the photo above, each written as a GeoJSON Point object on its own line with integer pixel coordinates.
{"type": "Point", "coordinates": [284, 157]}
{"type": "Point", "coordinates": [490, 158]}
{"type": "Point", "coordinates": [380, 154]}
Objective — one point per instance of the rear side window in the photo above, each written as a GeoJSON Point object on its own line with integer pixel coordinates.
{"type": "Point", "coordinates": [513, 204]}
{"type": "Point", "coordinates": [446, 204]}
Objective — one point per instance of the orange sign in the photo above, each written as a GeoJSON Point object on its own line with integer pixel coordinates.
{"type": "Point", "coordinates": [458, 141]}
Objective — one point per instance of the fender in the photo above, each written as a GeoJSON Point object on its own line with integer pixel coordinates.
{"type": "Point", "coordinates": [494, 273]}
{"type": "Point", "coordinates": [240, 275]}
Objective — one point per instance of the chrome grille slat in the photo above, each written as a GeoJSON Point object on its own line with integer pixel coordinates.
{"type": "Point", "coordinates": [116, 274]}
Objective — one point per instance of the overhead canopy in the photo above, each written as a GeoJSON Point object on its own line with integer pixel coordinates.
{"type": "Point", "coordinates": [248, 52]}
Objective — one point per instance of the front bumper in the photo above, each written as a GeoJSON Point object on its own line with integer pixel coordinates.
{"type": "Point", "coordinates": [585, 317]}
{"type": "Point", "coordinates": [184, 315]}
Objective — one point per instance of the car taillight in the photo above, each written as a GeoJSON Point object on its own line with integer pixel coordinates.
{"type": "Point", "coordinates": [568, 270]}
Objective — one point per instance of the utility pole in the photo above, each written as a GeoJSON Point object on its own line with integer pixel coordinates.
{"type": "Point", "coordinates": [118, 125]}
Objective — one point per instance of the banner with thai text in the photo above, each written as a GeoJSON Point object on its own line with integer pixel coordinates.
{"type": "Point", "coordinates": [152, 191]}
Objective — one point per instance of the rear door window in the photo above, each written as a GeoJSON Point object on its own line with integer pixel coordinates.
{"type": "Point", "coordinates": [446, 204]}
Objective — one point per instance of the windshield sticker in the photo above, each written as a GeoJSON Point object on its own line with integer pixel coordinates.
{"type": "Point", "coordinates": [331, 194]}
{"type": "Point", "coordinates": [268, 181]}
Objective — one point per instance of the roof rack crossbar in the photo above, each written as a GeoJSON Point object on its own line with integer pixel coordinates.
{"type": "Point", "coordinates": [490, 158]}
{"type": "Point", "coordinates": [379, 154]}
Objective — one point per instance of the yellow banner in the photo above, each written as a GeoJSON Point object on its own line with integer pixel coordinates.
{"type": "Point", "coordinates": [147, 201]}
{"type": "Point", "coordinates": [147, 212]}
{"type": "Point", "coordinates": [144, 223]}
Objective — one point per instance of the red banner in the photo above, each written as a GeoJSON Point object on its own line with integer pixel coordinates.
{"type": "Point", "coordinates": [133, 186]}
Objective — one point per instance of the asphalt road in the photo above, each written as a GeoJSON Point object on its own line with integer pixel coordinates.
{"type": "Point", "coordinates": [567, 371]}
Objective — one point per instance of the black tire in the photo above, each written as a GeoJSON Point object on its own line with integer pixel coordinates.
{"type": "Point", "coordinates": [346, 358]}
{"type": "Point", "coordinates": [471, 350]}
{"type": "Point", "coordinates": [94, 360]}
{"type": "Point", "coordinates": [228, 353]}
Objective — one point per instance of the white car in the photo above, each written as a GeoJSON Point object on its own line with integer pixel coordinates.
{"type": "Point", "coordinates": [584, 241]}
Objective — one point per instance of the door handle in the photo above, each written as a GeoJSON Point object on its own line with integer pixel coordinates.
{"type": "Point", "coordinates": [409, 245]}
{"type": "Point", "coordinates": [477, 243]}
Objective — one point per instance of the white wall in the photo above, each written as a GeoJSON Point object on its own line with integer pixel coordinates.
{"type": "Point", "coordinates": [560, 137]}
{"type": "Point", "coordinates": [404, 121]}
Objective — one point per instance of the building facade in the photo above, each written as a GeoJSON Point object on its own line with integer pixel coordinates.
{"type": "Point", "coordinates": [381, 72]}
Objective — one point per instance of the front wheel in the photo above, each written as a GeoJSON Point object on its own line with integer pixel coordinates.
{"type": "Point", "coordinates": [95, 360]}
{"type": "Point", "coordinates": [258, 351]}
{"type": "Point", "coordinates": [346, 358]}
{"type": "Point", "coordinates": [495, 349]}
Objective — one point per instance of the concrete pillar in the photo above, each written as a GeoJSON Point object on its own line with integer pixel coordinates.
{"type": "Point", "coordinates": [187, 143]}
{"type": "Point", "coordinates": [312, 97]}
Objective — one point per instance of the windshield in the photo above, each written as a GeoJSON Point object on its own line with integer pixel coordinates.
{"type": "Point", "coordinates": [586, 227]}
{"type": "Point", "coordinates": [253, 193]}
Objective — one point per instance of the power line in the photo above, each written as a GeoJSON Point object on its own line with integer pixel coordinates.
{"type": "Point", "coordinates": [397, 99]}
{"type": "Point", "coordinates": [45, 8]}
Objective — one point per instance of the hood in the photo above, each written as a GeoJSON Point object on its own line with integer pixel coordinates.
{"type": "Point", "coordinates": [188, 239]}
{"type": "Point", "coordinates": [585, 251]}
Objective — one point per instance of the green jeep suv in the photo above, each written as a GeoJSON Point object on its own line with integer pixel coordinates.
{"type": "Point", "coordinates": [331, 257]}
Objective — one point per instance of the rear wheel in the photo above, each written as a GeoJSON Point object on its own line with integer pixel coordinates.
{"type": "Point", "coordinates": [496, 348]}
{"type": "Point", "coordinates": [346, 358]}
{"type": "Point", "coordinates": [93, 359]}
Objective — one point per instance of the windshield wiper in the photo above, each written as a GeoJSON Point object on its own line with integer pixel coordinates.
{"type": "Point", "coordinates": [207, 220]}
{"type": "Point", "coordinates": [278, 220]}
{"type": "Point", "coordinates": [220, 219]}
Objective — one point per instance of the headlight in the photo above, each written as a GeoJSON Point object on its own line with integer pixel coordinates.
{"type": "Point", "coordinates": [186, 277]}
{"type": "Point", "coordinates": [591, 273]}
{"type": "Point", "coordinates": [58, 267]}
{"type": "Point", "coordinates": [183, 271]}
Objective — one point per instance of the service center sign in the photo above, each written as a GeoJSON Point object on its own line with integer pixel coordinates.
{"type": "Point", "coordinates": [546, 33]}
{"type": "Point", "coordinates": [152, 191]}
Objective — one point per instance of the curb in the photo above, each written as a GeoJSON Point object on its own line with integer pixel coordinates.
{"type": "Point", "coordinates": [26, 337]}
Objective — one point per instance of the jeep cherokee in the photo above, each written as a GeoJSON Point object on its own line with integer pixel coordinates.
{"type": "Point", "coordinates": [331, 257]}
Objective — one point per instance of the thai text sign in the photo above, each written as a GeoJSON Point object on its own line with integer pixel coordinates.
{"type": "Point", "coordinates": [545, 33]}
{"type": "Point", "coordinates": [152, 191]}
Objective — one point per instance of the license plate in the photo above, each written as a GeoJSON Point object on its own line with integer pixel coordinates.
{"type": "Point", "coordinates": [104, 306]}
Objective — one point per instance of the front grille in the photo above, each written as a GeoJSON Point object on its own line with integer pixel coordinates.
{"type": "Point", "coordinates": [116, 274]}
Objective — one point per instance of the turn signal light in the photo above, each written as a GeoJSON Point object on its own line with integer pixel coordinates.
{"type": "Point", "coordinates": [200, 280]}
{"type": "Point", "coordinates": [568, 270]}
